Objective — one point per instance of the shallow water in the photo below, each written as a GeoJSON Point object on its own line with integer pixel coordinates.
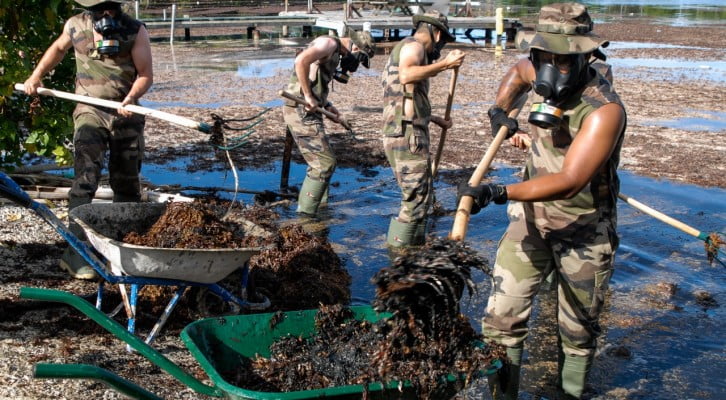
{"type": "Point", "coordinates": [675, 344]}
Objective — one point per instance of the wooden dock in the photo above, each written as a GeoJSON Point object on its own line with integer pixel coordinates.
{"type": "Point", "coordinates": [388, 25]}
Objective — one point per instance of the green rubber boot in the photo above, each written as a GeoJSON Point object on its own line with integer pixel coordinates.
{"type": "Point", "coordinates": [573, 375]}
{"type": "Point", "coordinates": [504, 384]}
{"type": "Point", "coordinates": [401, 234]}
{"type": "Point", "coordinates": [311, 193]}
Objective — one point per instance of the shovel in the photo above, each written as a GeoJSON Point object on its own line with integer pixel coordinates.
{"type": "Point", "coordinates": [463, 213]}
{"type": "Point", "coordinates": [447, 115]}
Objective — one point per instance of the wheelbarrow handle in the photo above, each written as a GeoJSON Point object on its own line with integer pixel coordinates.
{"type": "Point", "coordinates": [12, 191]}
{"type": "Point", "coordinates": [85, 371]}
{"type": "Point", "coordinates": [120, 332]}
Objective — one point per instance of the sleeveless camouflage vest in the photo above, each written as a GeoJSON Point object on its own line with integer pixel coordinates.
{"type": "Point", "coordinates": [394, 95]}
{"type": "Point", "coordinates": [103, 76]}
{"type": "Point", "coordinates": [598, 198]}
{"type": "Point", "coordinates": [323, 76]}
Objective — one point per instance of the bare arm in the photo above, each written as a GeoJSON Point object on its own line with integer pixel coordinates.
{"type": "Point", "coordinates": [141, 56]}
{"type": "Point", "coordinates": [410, 69]}
{"type": "Point", "coordinates": [517, 81]}
{"type": "Point", "coordinates": [52, 57]}
{"type": "Point", "coordinates": [319, 49]}
{"type": "Point", "coordinates": [587, 154]}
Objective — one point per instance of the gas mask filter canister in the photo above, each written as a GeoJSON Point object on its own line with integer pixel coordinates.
{"type": "Point", "coordinates": [107, 26]}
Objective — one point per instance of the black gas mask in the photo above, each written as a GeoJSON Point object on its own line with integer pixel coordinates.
{"type": "Point", "coordinates": [350, 63]}
{"type": "Point", "coordinates": [555, 87]}
{"type": "Point", "coordinates": [436, 48]}
{"type": "Point", "coordinates": [107, 26]}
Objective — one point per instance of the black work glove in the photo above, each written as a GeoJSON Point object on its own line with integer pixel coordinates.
{"type": "Point", "coordinates": [482, 194]}
{"type": "Point", "coordinates": [498, 118]}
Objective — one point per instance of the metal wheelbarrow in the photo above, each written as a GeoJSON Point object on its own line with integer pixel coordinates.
{"type": "Point", "coordinates": [139, 265]}
{"type": "Point", "coordinates": [226, 344]}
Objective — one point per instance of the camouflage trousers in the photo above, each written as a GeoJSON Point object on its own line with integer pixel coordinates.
{"type": "Point", "coordinates": [95, 133]}
{"type": "Point", "coordinates": [410, 160]}
{"type": "Point", "coordinates": [309, 133]}
{"type": "Point", "coordinates": [583, 265]}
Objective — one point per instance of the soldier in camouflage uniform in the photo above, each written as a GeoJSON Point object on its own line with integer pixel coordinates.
{"type": "Point", "coordinates": [314, 68]}
{"type": "Point", "coordinates": [563, 215]}
{"type": "Point", "coordinates": [113, 62]}
{"type": "Point", "coordinates": [406, 117]}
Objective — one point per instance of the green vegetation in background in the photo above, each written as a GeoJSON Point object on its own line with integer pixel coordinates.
{"type": "Point", "coordinates": [27, 29]}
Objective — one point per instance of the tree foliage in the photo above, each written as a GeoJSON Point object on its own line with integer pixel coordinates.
{"type": "Point", "coordinates": [27, 29]}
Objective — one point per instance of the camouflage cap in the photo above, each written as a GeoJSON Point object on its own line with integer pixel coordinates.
{"type": "Point", "coordinates": [364, 41]}
{"type": "Point", "coordinates": [562, 28]}
{"type": "Point", "coordinates": [91, 3]}
{"type": "Point", "coordinates": [436, 19]}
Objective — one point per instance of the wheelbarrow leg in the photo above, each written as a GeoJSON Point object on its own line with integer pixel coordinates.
{"type": "Point", "coordinates": [131, 325]}
{"type": "Point", "coordinates": [165, 316]}
{"type": "Point", "coordinates": [99, 294]}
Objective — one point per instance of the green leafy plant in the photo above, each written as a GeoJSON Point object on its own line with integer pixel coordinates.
{"type": "Point", "coordinates": [27, 29]}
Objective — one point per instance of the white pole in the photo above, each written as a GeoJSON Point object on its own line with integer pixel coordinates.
{"type": "Point", "coordinates": [149, 112]}
{"type": "Point", "coordinates": [164, 14]}
{"type": "Point", "coordinates": [136, 9]}
{"type": "Point", "coordinates": [173, 16]}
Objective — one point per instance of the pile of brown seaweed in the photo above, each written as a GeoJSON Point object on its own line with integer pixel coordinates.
{"type": "Point", "coordinates": [300, 271]}
{"type": "Point", "coordinates": [425, 339]}
{"type": "Point", "coordinates": [195, 225]}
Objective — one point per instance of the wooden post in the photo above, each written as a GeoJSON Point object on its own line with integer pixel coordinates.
{"type": "Point", "coordinates": [499, 24]}
{"type": "Point", "coordinates": [173, 15]}
{"type": "Point", "coordinates": [286, 157]}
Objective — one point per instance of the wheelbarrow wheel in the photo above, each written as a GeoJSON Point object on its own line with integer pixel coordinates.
{"type": "Point", "coordinates": [210, 304]}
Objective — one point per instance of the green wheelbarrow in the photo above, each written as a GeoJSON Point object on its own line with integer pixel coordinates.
{"type": "Point", "coordinates": [223, 344]}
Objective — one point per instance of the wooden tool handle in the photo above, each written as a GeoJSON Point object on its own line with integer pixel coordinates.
{"type": "Point", "coordinates": [447, 116]}
{"type": "Point", "coordinates": [300, 100]}
{"type": "Point", "coordinates": [175, 119]}
{"type": "Point", "coordinates": [662, 217]}
{"type": "Point", "coordinates": [463, 212]}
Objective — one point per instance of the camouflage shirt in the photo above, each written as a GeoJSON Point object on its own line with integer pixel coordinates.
{"type": "Point", "coordinates": [107, 77]}
{"type": "Point", "coordinates": [549, 147]}
{"type": "Point", "coordinates": [394, 94]}
{"type": "Point", "coordinates": [323, 76]}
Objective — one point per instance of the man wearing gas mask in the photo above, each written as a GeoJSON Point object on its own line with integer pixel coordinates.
{"type": "Point", "coordinates": [406, 117]}
{"type": "Point", "coordinates": [326, 58]}
{"type": "Point", "coordinates": [113, 62]}
{"type": "Point", "coordinates": [563, 215]}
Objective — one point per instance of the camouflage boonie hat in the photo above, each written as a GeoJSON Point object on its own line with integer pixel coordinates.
{"type": "Point", "coordinates": [438, 20]}
{"type": "Point", "coordinates": [364, 41]}
{"type": "Point", "coordinates": [91, 3]}
{"type": "Point", "coordinates": [562, 28]}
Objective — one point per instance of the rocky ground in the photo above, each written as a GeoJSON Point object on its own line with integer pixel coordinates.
{"type": "Point", "coordinates": [33, 332]}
